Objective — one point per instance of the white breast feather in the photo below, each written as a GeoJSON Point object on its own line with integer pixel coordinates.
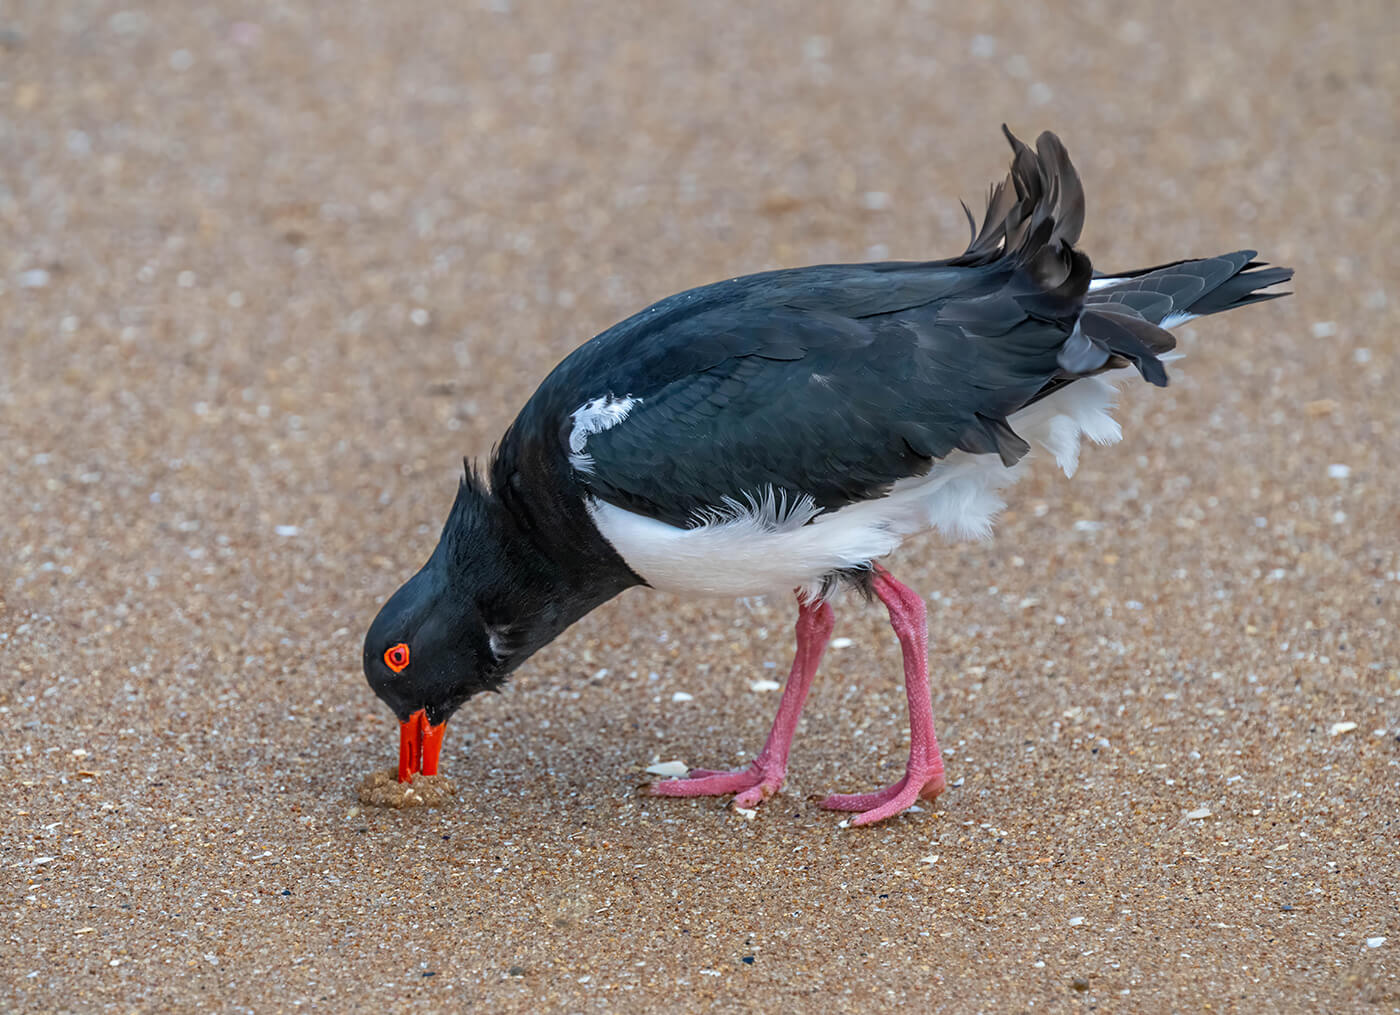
{"type": "Point", "coordinates": [756, 544]}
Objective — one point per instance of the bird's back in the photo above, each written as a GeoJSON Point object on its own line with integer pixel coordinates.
{"type": "Point", "coordinates": [834, 385]}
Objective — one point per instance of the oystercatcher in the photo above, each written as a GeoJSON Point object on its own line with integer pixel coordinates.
{"type": "Point", "coordinates": [785, 431]}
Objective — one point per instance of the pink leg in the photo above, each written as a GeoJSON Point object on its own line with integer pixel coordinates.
{"type": "Point", "coordinates": [924, 775]}
{"type": "Point", "coordinates": [765, 774]}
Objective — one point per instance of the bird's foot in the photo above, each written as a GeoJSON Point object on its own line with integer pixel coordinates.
{"type": "Point", "coordinates": [921, 781]}
{"type": "Point", "coordinates": [752, 784]}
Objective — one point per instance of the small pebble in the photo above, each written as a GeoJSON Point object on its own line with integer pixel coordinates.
{"type": "Point", "coordinates": [747, 813]}
{"type": "Point", "coordinates": [682, 696]}
{"type": "Point", "coordinates": [841, 643]}
{"type": "Point", "coordinates": [1338, 728]}
{"type": "Point", "coordinates": [1338, 471]}
{"type": "Point", "coordinates": [764, 685]}
{"type": "Point", "coordinates": [1198, 813]}
{"type": "Point", "coordinates": [1375, 942]}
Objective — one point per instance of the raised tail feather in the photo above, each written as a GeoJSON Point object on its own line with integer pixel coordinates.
{"type": "Point", "coordinates": [1032, 221]}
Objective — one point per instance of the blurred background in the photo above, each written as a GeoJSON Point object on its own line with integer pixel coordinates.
{"type": "Point", "coordinates": [268, 271]}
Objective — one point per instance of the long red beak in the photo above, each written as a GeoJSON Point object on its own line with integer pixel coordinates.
{"type": "Point", "coordinates": [420, 742]}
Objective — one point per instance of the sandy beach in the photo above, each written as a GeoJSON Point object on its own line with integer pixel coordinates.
{"type": "Point", "coordinates": [269, 271]}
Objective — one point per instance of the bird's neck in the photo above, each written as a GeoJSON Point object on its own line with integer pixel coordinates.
{"type": "Point", "coordinates": [535, 570]}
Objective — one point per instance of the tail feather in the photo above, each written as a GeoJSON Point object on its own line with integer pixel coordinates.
{"type": "Point", "coordinates": [1033, 219]}
{"type": "Point", "coordinates": [1127, 318]}
{"type": "Point", "coordinates": [1169, 294]}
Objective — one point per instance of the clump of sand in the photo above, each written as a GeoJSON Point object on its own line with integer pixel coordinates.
{"type": "Point", "coordinates": [383, 789]}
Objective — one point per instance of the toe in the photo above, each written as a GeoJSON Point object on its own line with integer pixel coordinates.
{"type": "Point", "coordinates": [755, 795]}
{"type": "Point", "coordinates": [886, 810]}
{"type": "Point", "coordinates": [863, 801]}
{"type": "Point", "coordinates": [706, 783]}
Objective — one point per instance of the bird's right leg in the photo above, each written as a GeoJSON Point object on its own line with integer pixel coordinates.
{"type": "Point", "coordinates": [765, 774]}
{"type": "Point", "coordinates": [924, 776]}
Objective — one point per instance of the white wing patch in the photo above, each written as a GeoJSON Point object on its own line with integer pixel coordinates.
{"type": "Point", "coordinates": [753, 545]}
{"type": "Point", "coordinates": [594, 417]}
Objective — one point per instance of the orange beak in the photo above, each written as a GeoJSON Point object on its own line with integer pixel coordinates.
{"type": "Point", "coordinates": [419, 745]}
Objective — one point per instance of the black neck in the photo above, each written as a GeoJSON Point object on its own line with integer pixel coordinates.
{"type": "Point", "coordinates": [532, 556]}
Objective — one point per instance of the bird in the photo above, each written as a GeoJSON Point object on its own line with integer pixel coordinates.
{"type": "Point", "coordinates": [782, 433]}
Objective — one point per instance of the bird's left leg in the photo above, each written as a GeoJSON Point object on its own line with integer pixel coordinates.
{"type": "Point", "coordinates": [765, 774]}
{"type": "Point", "coordinates": [924, 775]}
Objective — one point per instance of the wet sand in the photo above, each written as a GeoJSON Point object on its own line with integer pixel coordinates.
{"type": "Point", "coordinates": [269, 271]}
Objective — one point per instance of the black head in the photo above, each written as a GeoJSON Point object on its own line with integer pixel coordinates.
{"type": "Point", "coordinates": [487, 599]}
{"type": "Point", "coordinates": [429, 648]}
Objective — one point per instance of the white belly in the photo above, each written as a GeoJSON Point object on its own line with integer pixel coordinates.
{"type": "Point", "coordinates": [761, 544]}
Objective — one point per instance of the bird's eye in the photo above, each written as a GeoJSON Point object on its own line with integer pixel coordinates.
{"type": "Point", "coordinates": [396, 657]}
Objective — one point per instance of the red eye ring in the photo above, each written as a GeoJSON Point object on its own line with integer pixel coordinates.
{"type": "Point", "coordinates": [396, 657]}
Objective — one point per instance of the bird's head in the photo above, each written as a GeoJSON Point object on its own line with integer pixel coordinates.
{"type": "Point", "coordinates": [430, 648]}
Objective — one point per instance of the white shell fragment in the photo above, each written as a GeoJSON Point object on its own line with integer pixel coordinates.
{"type": "Point", "coordinates": [671, 769]}
{"type": "Point", "coordinates": [1338, 728]}
{"type": "Point", "coordinates": [1198, 813]}
{"type": "Point", "coordinates": [764, 685]}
